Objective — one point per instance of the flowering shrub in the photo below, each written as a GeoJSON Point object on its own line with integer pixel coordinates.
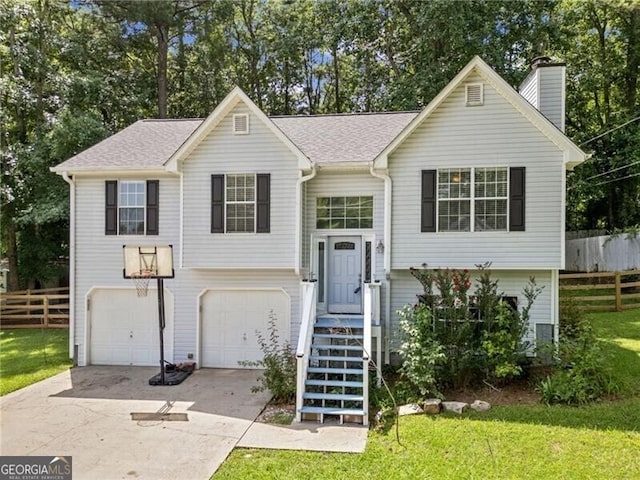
{"type": "Point", "coordinates": [475, 337]}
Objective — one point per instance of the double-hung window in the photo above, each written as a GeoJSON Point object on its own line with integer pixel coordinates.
{"type": "Point", "coordinates": [241, 203]}
{"type": "Point", "coordinates": [131, 207]}
{"type": "Point", "coordinates": [476, 199]}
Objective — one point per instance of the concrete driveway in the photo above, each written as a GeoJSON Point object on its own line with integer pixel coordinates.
{"type": "Point", "coordinates": [86, 413]}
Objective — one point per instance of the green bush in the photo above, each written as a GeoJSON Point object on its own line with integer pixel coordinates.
{"type": "Point", "coordinates": [452, 338]}
{"type": "Point", "coordinates": [279, 364]}
{"type": "Point", "coordinates": [579, 373]}
{"type": "Point", "coordinates": [421, 352]}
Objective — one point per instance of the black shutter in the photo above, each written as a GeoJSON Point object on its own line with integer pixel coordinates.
{"type": "Point", "coordinates": [263, 202]}
{"type": "Point", "coordinates": [517, 199]}
{"type": "Point", "coordinates": [428, 201]}
{"type": "Point", "coordinates": [217, 203]}
{"type": "Point", "coordinates": [153, 206]}
{"type": "Point", "coordinates": [111, 208]}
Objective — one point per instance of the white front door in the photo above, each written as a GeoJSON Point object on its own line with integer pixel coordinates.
{"type": "Point", "coordinates": [345, 275]}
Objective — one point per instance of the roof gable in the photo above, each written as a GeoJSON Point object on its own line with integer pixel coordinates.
{"type": "Point", "coordinates": [573, 154]}
{"type": "Point", "coordinates": [221, 111]}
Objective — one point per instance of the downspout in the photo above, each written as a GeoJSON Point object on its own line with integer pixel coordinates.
{"type": "Point", "coordinates": [72, 264]}
{"type": "Point", "coordinates": [387, 257]}
{"type": "Point", "coordinates": [299, 210]}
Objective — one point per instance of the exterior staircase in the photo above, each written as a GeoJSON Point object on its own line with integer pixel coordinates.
{"type": "Point", "coordinates": [336, 380]}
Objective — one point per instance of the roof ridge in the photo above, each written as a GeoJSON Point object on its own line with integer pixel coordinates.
{"type": "Point", "coordinates": [345, 114]}
{"type": "Point", "coordinates": [171, 120]}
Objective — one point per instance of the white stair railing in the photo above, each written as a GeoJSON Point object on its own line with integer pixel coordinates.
{"type": "Point", "coordinates": [370, 295]}
{"type": "Point", "coordinates": [303, 351]}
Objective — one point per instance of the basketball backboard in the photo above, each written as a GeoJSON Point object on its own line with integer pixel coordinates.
{"type": "Point", "coordinates": [150, 261]}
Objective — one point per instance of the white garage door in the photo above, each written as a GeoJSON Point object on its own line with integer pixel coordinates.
{"type": "Point", "coordinates": [230, 319]}
{"type": "Point", "coordinates": [124, 327]}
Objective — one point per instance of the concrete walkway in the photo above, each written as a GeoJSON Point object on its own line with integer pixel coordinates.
{"type": "Point", "coordinates": [315, 437]}
{"type": "Point", "coordinates": [86, 413]}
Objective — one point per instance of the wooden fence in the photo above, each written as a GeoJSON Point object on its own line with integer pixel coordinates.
{"type": "Point", "coordinates": [48, 308]}
{"type": "Point", "coordinates": [602, 291]}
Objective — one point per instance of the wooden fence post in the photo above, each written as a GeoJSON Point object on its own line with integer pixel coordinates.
{"type": "Point", "coordinates": [618, 293]}
{"type": "Point", "coordinates": [45, 307]}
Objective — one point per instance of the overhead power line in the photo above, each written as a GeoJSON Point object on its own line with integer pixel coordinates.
{"type": "Point", "coordinates": [613, 170]}
{"type": "Point", "coordinates": [611, 130]}
{"type": "Point", "coordinates": [617, 179]}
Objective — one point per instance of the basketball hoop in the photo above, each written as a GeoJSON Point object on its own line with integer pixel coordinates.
{"type": "Point", "coordinates": [141, 280]}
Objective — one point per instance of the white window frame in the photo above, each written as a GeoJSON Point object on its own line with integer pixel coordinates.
{"type": "Point", "coordinates": [476, 198]}
{"type": "Point", "coordinates": [228, 202]}
{"type": "Point", "coordinates": [143, 206]}
{"type": "Point", "coordinates": [314, 267]}
{"type": "Point", "coordinates": [472, 199]}
{"type": "Point", "coordinates": [345, 228]}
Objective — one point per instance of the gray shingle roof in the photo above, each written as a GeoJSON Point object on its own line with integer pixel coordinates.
{"type": "Point", "coordinates": [343, 138]}
{"type": "Point", "coordinates": [325, 139]}
{"type": "Point", "coordinates": [146, 144]}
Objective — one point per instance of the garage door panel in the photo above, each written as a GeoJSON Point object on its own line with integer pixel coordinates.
{"type": "Point", "coordinates": [230, 319]}
{"type": "Point", "coordinates": [124, 328]}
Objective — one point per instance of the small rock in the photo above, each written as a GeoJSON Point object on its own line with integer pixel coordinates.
{"type": "Point", "coordinates": [432, 406]}
{"type": "Point", "coordinates": [455, 407]}
{"type": "Point", "coordinates": [409, 409]}
{"type": "Point", "coordinates": [480, 406]}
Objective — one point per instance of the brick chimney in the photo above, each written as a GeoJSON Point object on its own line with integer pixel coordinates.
{"type": "Point", "coordinates": [544, 88]}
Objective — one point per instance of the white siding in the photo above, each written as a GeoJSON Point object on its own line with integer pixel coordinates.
{"type": "Point", "coordinates": [529, 88]}
{"type": "Point", "coordinates": [551, 94]}
{"type": "Point", "coordinates": [350, 184]}
{"type": "Point", "coordinates": [99, 258]}
{"type": "Point", "coordinates": [223, 153]}
{"type": "Point", "coordinates": [405, 289]}
{"type": "Point", "coordinates": [347, 183]}
{"type": "Point", "coordinates": [491, 135]}
{"type": "Point", "coordinates": [99, 264]}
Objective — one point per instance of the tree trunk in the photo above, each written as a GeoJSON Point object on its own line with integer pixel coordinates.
{"type": "Point", "coordinates": [162, 34]}
{"type": "Point", "coordinates": [336, 72]}
{"type": "Point", "coordinates": [13, 282]}
{"type": "Point", "coordinates": [633, 58]}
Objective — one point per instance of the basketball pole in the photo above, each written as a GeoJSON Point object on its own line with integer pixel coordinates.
{"type": "Point", "coordinates": [161, 324]}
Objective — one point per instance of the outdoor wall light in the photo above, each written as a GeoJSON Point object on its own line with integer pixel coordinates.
{"type": "Point", "coordinates": [380, 247]}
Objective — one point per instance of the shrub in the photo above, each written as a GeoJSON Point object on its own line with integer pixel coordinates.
{"type": "Point", "coordinates": [580, 375]}
{"type": "Point", "coordinates": [452, 339]}
{"type": "Point", "coordinates": [421, 353]}
{"type": "Point", "coordinates": [279, 364]}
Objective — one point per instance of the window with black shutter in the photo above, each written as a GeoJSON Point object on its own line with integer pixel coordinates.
{"type": "Point", "coordinates": [132, 207]}
{"type": "Point", "coordinates": [478, 199]}
{"type": "Point", "coordinates": [241, 203]}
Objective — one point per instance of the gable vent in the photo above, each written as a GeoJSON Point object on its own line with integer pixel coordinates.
{"type": "Point", "coordinates": [474, 94]}
{"type": "Point", "coordinates": [240, 124]}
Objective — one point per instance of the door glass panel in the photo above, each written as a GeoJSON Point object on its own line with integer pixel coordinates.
{"type": "Point", "coordinates": [321, 272]}
{"type": "Point", "coordinates": [345, 246]}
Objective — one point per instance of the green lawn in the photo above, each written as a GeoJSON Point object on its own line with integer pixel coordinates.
{"type": "Point", "coordinates": [30, 355]}
{"type": "Point", "coordinates": [596, 441]}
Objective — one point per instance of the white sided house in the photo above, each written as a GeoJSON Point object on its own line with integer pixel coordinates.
{"type": "Point", "coordinates": [313, 222]}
